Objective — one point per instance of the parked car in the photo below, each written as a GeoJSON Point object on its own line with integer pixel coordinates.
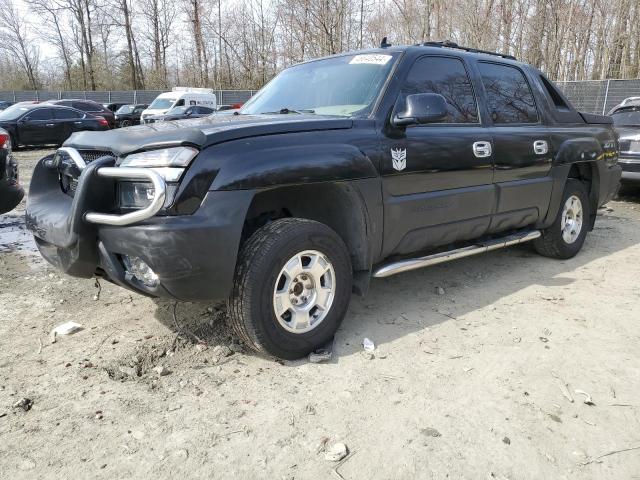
{"type": "Point", "coordinates": [89, 106]}
{"type": "Point", "coordinates": [180, 97]}
{"type": "Point", "coordinates": [128, 115]}
{"type": "Point", "coordinates": [180, 113]}
{"type": "Point", "coordinates": [11, 192]}
{"type": "Point", "coordinates": [5, 104]}
{"type": "Point", "coordinates": [353, 166]}
{"type": "Point", "coordinates": [46, 124]}
{"type": "Point", "coordinates": [114, 107]}
{"type": "Point", "coordinates": [626, 119]}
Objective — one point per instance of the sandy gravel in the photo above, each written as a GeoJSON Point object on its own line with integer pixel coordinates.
{"type": "Point", "coordinates": [474, 383]}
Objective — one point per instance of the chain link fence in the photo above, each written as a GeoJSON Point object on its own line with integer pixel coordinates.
{"type": "Point", "coordinates": [593, 96]}
{"type": "Point", "coordinates": [224, 97]}
{"type": "Point", "coordinates": [599, 96]}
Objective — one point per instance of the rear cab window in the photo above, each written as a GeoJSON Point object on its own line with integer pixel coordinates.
{"type": "Point", "coordinates": [446, 76]}
{"type": "Point", "coordinates": [509, 96]}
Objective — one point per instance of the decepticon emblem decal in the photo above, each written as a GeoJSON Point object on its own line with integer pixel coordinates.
{"type": "Point", "coordinates": [399, 157]}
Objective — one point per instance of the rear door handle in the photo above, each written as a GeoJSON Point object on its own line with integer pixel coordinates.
{"type": "Point", "coordinates": [541, 147]}
{"type": "Point", "coordinates": [482, 149]}
{"type": "Point", "coordinates": [50, 124]}
{"type": "Point", "coordinates": [78, 123]}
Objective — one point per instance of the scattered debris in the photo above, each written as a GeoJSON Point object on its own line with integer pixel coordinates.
{"type": "Point", "coordinates": [24, 403]}
{"type": "Point", "coordinates": [39, 346]}
{"type": "Point", "coordinates": [336, 453]}
{"type": "Point", "coordinates": [368, 345]}
{"type": "Point", "coordinates": [543, 339]}
{"type": "Point", "coordinates": [563, 387]}
{"type": "Point", "coordinates": [162, 370]}
{"type": "Point", "coordinates": [440, 291]}
{"type": "Point", "coordinates": [322, 446]}
{"type": "Point", "coordinates": [596, 459]}
{"type": "Point", "coordinates": [67, 328]}
{"type": "Point", "coordinates": [555, 418]}
{"type": "Point", "coordinates": [506, 440]}
{"type": "Point", "coordinates": [99, 415]}
{"type": "Point", "coordinates": [342, 462]}
{"type": "Point", "coordinates": [96, 297]}
{"type": "Point", "coordinates": [587, 398]}
{"type": "Point", "coordinates": [430, 432]}
{"type": "Point", "coordinates": [322, 354]}
{"type": "Point", "coordinates": [3, 414]}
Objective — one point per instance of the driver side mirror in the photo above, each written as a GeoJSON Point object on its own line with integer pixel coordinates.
{"type": "Point", "coordinates": [421, 108]}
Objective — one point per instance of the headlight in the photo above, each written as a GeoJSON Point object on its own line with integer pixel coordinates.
{"type": "Point", "coordinates": [166, 157]}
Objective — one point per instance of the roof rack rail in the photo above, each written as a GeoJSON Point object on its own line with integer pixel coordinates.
{"type": "Point", "coordinates": [449, 44]}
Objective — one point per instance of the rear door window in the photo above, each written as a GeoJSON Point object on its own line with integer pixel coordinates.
{"type": "Point", "coordinates": [448, 77]}
{"type": "Point", "coordinates": [509, 97]}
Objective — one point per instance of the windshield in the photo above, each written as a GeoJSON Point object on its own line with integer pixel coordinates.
{"type": "Point", "coordinates": [346, 86]}
{"type": "Point", "coordinates": [177, 111]}
{"type": "Point", "coordinates": [162, 103]}
{"type": "Point", "coordinates": [13, 113]}
{"type": "Point", "coordinates": [627, 117]}
{"type": "Point", "coordinates": [125, 109]}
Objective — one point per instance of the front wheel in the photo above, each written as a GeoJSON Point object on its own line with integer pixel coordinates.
{"type": "Point", "coordinates": [291, 289]}
{"type": "Point", "coordinates": [565, 237]}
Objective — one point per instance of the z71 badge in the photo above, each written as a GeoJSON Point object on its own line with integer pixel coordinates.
{"type": "Point", "coordinates": [399, 158]}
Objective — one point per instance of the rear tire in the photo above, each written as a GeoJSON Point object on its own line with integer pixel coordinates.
{"type": "Point", "coordinates": [565, 237]}
{"type": "Point", "coordinates": [302, 270]}
{"type": "Point", "coordinates": [125, 123]}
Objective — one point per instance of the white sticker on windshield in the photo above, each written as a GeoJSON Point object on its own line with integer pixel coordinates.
{"type": "Point", "coordinates": [371, 58]}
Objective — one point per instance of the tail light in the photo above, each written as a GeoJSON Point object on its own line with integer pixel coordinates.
{"type": "Point", "coordinates": [102, 121]}
{"type": "Point", "coordinates": [3, 140]}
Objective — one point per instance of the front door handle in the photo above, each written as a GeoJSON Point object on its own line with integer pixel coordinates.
{"type": "Point", "coordinates": [78, 123]}
{"type": "Point", "coordinates": [482, 149]}
{"type": "Point", "coordinates": [540, 147]}
{"type": "Point", "coordinates": [50, 124]}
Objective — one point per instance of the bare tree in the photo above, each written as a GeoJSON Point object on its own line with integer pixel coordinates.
{"type": "Point", "coordinates": [14, 39]}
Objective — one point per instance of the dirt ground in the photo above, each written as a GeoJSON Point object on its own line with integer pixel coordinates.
{"type": "Point", "coordinates": [481, 381]}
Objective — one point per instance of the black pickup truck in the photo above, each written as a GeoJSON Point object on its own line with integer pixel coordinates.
{"type": "Point", "coordinates": [341, 169]}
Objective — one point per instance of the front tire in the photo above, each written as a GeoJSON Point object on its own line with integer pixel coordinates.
{"type": "Point", "coordinates": [291, 288]}
{"type": "Point", "coordinates": [565, 237]}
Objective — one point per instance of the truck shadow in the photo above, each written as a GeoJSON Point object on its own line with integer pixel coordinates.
{"type": "Point", "coordinates": [401, 305]}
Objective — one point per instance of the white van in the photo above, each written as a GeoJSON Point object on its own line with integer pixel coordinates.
{"type": "Point", "coordinates": [178, 97]}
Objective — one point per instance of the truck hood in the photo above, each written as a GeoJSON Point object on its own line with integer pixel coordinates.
{"type": "Point", "coordinates": [201, 132]}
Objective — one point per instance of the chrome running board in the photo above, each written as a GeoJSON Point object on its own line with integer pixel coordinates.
{"type": "Point", "coordinates": [415, 263]}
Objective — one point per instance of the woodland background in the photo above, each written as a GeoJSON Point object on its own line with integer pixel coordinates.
{"type": "Point", "coordinates": [156, 44]}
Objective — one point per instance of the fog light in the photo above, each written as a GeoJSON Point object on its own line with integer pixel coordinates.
{"type": "Point", "coordinates": [140, 270]}
{"type": "Point", "coordinates": [135, 194]}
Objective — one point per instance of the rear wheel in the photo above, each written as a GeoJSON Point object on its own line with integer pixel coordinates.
{"type": "Point", "coordinates": [126, 123]}
{"type": "Point", "coordinates": [291, 289]}
{"type": "Point", "coordinates": [565, 237]}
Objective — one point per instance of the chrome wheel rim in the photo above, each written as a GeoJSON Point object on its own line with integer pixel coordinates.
{"type": "Point", "coordinates": [304, 291]}
{"type": "Point", "coordinates": [572, 219]}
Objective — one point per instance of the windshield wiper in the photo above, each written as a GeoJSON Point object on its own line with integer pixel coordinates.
{"type": "Point", "coordinates": [285, 111]}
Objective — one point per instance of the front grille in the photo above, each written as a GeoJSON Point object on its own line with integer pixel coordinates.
{"type": "Point", "coordinates": [69, 177]}
{"type": "Point", "coordinates": [91, 155]}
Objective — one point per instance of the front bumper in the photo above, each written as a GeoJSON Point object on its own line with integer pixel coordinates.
{"type": "Point", "coordinates": [194, 255]}
{"type": "Point", "coordinates": [630, 168]}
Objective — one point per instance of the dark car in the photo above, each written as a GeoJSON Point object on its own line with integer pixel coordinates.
{"type": "Point", "coordinates": [113, 107]}
{"type": "Point", "coordinates": [128, 115]}
{"type": "Point", "coordinates": [5, 104]}
{"type": "Point", "coordinates": [46, 124]}
{"type": "Point", "coordinates": [89, 106]}
{"type": "Point", "coordinates": [340, 169]}
{"type": "Point", "coordinates": [180, 113]}
{"type": "Point", "coordinates": [10, 190]}
{"type": "Point", "coordinates": [626, 118]}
